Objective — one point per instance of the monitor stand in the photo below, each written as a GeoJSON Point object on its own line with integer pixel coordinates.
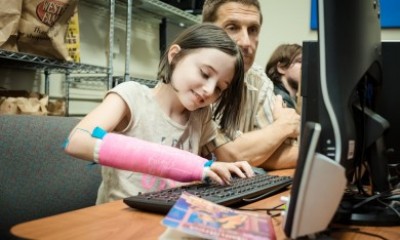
{"type": "Point", "coordinates": [379, 209]}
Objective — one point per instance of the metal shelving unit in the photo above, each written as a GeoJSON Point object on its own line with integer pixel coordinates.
{"type": "Point", "coordinates": [34, 62]}
{"type": "Point", "coordinates": [149, 8]}
{"type": "Point", "coordinates": [174, 14]}
{"type": "Point", "coordinates": [76, 73]}
{"type": "Point", "coordinates": [148, 82]}
{"type": "Point", "coordinates": [50, 66]}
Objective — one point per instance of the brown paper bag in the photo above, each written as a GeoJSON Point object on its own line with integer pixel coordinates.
{"type": "Point", "coordinates": [31, 104]}
{"type": "Point", "coordinates": [10, 13]}
{"type": "Point", "coordinates": [56, 108]}
{"type": "Point", "coordinates": [43, 27]}
{"type": "Point", "coordinates": [8, 106]}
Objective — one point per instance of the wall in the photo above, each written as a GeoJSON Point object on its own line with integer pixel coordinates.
{"type": "Point", "coordinates": [288, 21]}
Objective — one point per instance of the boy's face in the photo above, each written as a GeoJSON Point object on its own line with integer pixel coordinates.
{"type": "Point", "coordinates": [293, 73]}
{"type": "Point", "coordinates": [242, 23]}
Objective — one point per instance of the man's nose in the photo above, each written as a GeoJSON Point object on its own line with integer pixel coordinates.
{"type": "Point", "coordinates": [243, 39]}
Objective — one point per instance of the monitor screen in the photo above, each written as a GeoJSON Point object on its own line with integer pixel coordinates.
{"type": "Point", "coordinates": [342, 77]}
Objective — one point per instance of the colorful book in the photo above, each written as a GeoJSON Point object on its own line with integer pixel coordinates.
{"type": "Point", "coordinates": [196, 218]}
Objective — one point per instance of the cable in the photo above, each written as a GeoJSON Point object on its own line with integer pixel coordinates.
{"type": "Point", "coordinates": [367, 200]}
{"type": "Point", "coordinates": [376, 196]}
{"type": "Point", "coordinates": [391, 207]}
{"type": "Point", "coordinates": [268, 210]}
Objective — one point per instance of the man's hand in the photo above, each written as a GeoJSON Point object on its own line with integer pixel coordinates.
{"type": "Point", "coordinates": [286, 117]}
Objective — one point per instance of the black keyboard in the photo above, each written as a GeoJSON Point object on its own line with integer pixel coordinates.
{"type": "Point", "coordinates": [242, 190]}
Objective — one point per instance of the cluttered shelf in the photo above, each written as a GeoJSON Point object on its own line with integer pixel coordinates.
{"type": "Point", "coordinates": [79, 76]}
{"type": "Point", "coordinates": [35, 62]}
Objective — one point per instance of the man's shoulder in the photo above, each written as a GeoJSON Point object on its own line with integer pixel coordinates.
{"type": "Point", "coordinates": [257, 78]}
{"type": "Point", "coordinates": [256, 69]}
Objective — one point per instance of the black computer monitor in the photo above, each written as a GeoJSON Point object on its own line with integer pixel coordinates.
{"type": "Point", "coordinates": [318, 186]}
{"type": "Point", "coordinates": [386, 104]}
{"type": "Point", "coordinates": [342, 77]}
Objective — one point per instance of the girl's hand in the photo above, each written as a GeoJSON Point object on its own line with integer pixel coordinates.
{"type": "Point", "coordinates": [221, 172]}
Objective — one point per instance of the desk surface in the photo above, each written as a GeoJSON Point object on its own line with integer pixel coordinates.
{"type": "Point", "coordinates": [115, 220]}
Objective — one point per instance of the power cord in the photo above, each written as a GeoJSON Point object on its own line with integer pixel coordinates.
{"type": "Point", "coordinates": [268, 210]}
{"type": "Point", "coordinates": [391, 207]}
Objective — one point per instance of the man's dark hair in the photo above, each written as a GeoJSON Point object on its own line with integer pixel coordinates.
{"type": "Point", "coordinates": [210, 8]}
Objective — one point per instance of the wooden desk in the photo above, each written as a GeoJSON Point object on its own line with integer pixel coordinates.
{"type": "Point", "coordinates": [115, 220]}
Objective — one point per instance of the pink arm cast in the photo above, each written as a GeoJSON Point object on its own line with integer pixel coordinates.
{"type": "Point", "coordinates": [133, 154]}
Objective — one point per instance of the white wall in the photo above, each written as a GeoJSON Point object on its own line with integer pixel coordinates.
{"type": "Point", "coordinates": [288, 21]}
{"type": "Point", "coordinates": [284, 21]}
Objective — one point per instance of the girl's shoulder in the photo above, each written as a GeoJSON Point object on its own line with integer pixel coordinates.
{"type": "Point", "coordinates": [133, 93]}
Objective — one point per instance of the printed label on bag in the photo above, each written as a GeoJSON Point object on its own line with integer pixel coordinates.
{"type": "Point", "coordinates": [49, 11]}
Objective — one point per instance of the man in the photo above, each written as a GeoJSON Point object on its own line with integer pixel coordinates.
{"type": "Point", "coordinates": [267, 128]}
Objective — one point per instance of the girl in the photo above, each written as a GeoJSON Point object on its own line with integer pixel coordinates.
{"type": "Point", "coordinates": [150, 126]}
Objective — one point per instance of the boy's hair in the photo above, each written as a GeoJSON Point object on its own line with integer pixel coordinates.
{"type": "Point", "coordinates": [207, 35]}
{"type": "Point", "coordinates": [284, 55]}
{"type": "Point", "coordinates": [210, 8]}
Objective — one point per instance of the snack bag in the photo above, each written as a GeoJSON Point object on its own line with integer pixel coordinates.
{"type": "Point", "coordinates": [72, 39]}
{"type": "Point", "coordinates": [10, 13]}
{"type": "Point", "coordinates": [43, 27]}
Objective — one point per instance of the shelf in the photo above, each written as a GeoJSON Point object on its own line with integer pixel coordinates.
{"type": "Point", "coordinates": [99, 82]}
{"type": "Point", "coordinates": [81, 76]}
{"type": "Point", "coordinates": [155, 8]}
{"type": "Point", "coordinates": [174, 14]}
{"type": "Point", "coordinates": [34, 62]}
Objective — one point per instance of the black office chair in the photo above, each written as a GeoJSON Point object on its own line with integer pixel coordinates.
{"type": "Point", "coordinates": [37, 178]}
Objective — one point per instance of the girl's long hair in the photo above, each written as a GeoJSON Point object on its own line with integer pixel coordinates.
{"type": "Point", "coordinates": [228, 107]}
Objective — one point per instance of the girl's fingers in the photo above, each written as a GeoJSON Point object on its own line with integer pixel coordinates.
{"type": "Point", "coordinates": [221, 172]}
{"type": "Point", "coordinates": [246, 168]}
{"type": "Point", "coordinates": [211, 174]}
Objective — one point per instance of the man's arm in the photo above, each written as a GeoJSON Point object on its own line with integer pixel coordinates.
{"type": "Point", "coordinates": [265, 147]}
{"type": "Point", "coordinates": [284, 157]}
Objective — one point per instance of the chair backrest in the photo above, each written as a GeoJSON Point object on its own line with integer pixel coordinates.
{"type": "Point", "coordinates": [37, 178]}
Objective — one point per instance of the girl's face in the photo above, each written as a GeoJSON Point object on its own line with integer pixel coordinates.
{"type": "Point", "coordinates": [201, 76]}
